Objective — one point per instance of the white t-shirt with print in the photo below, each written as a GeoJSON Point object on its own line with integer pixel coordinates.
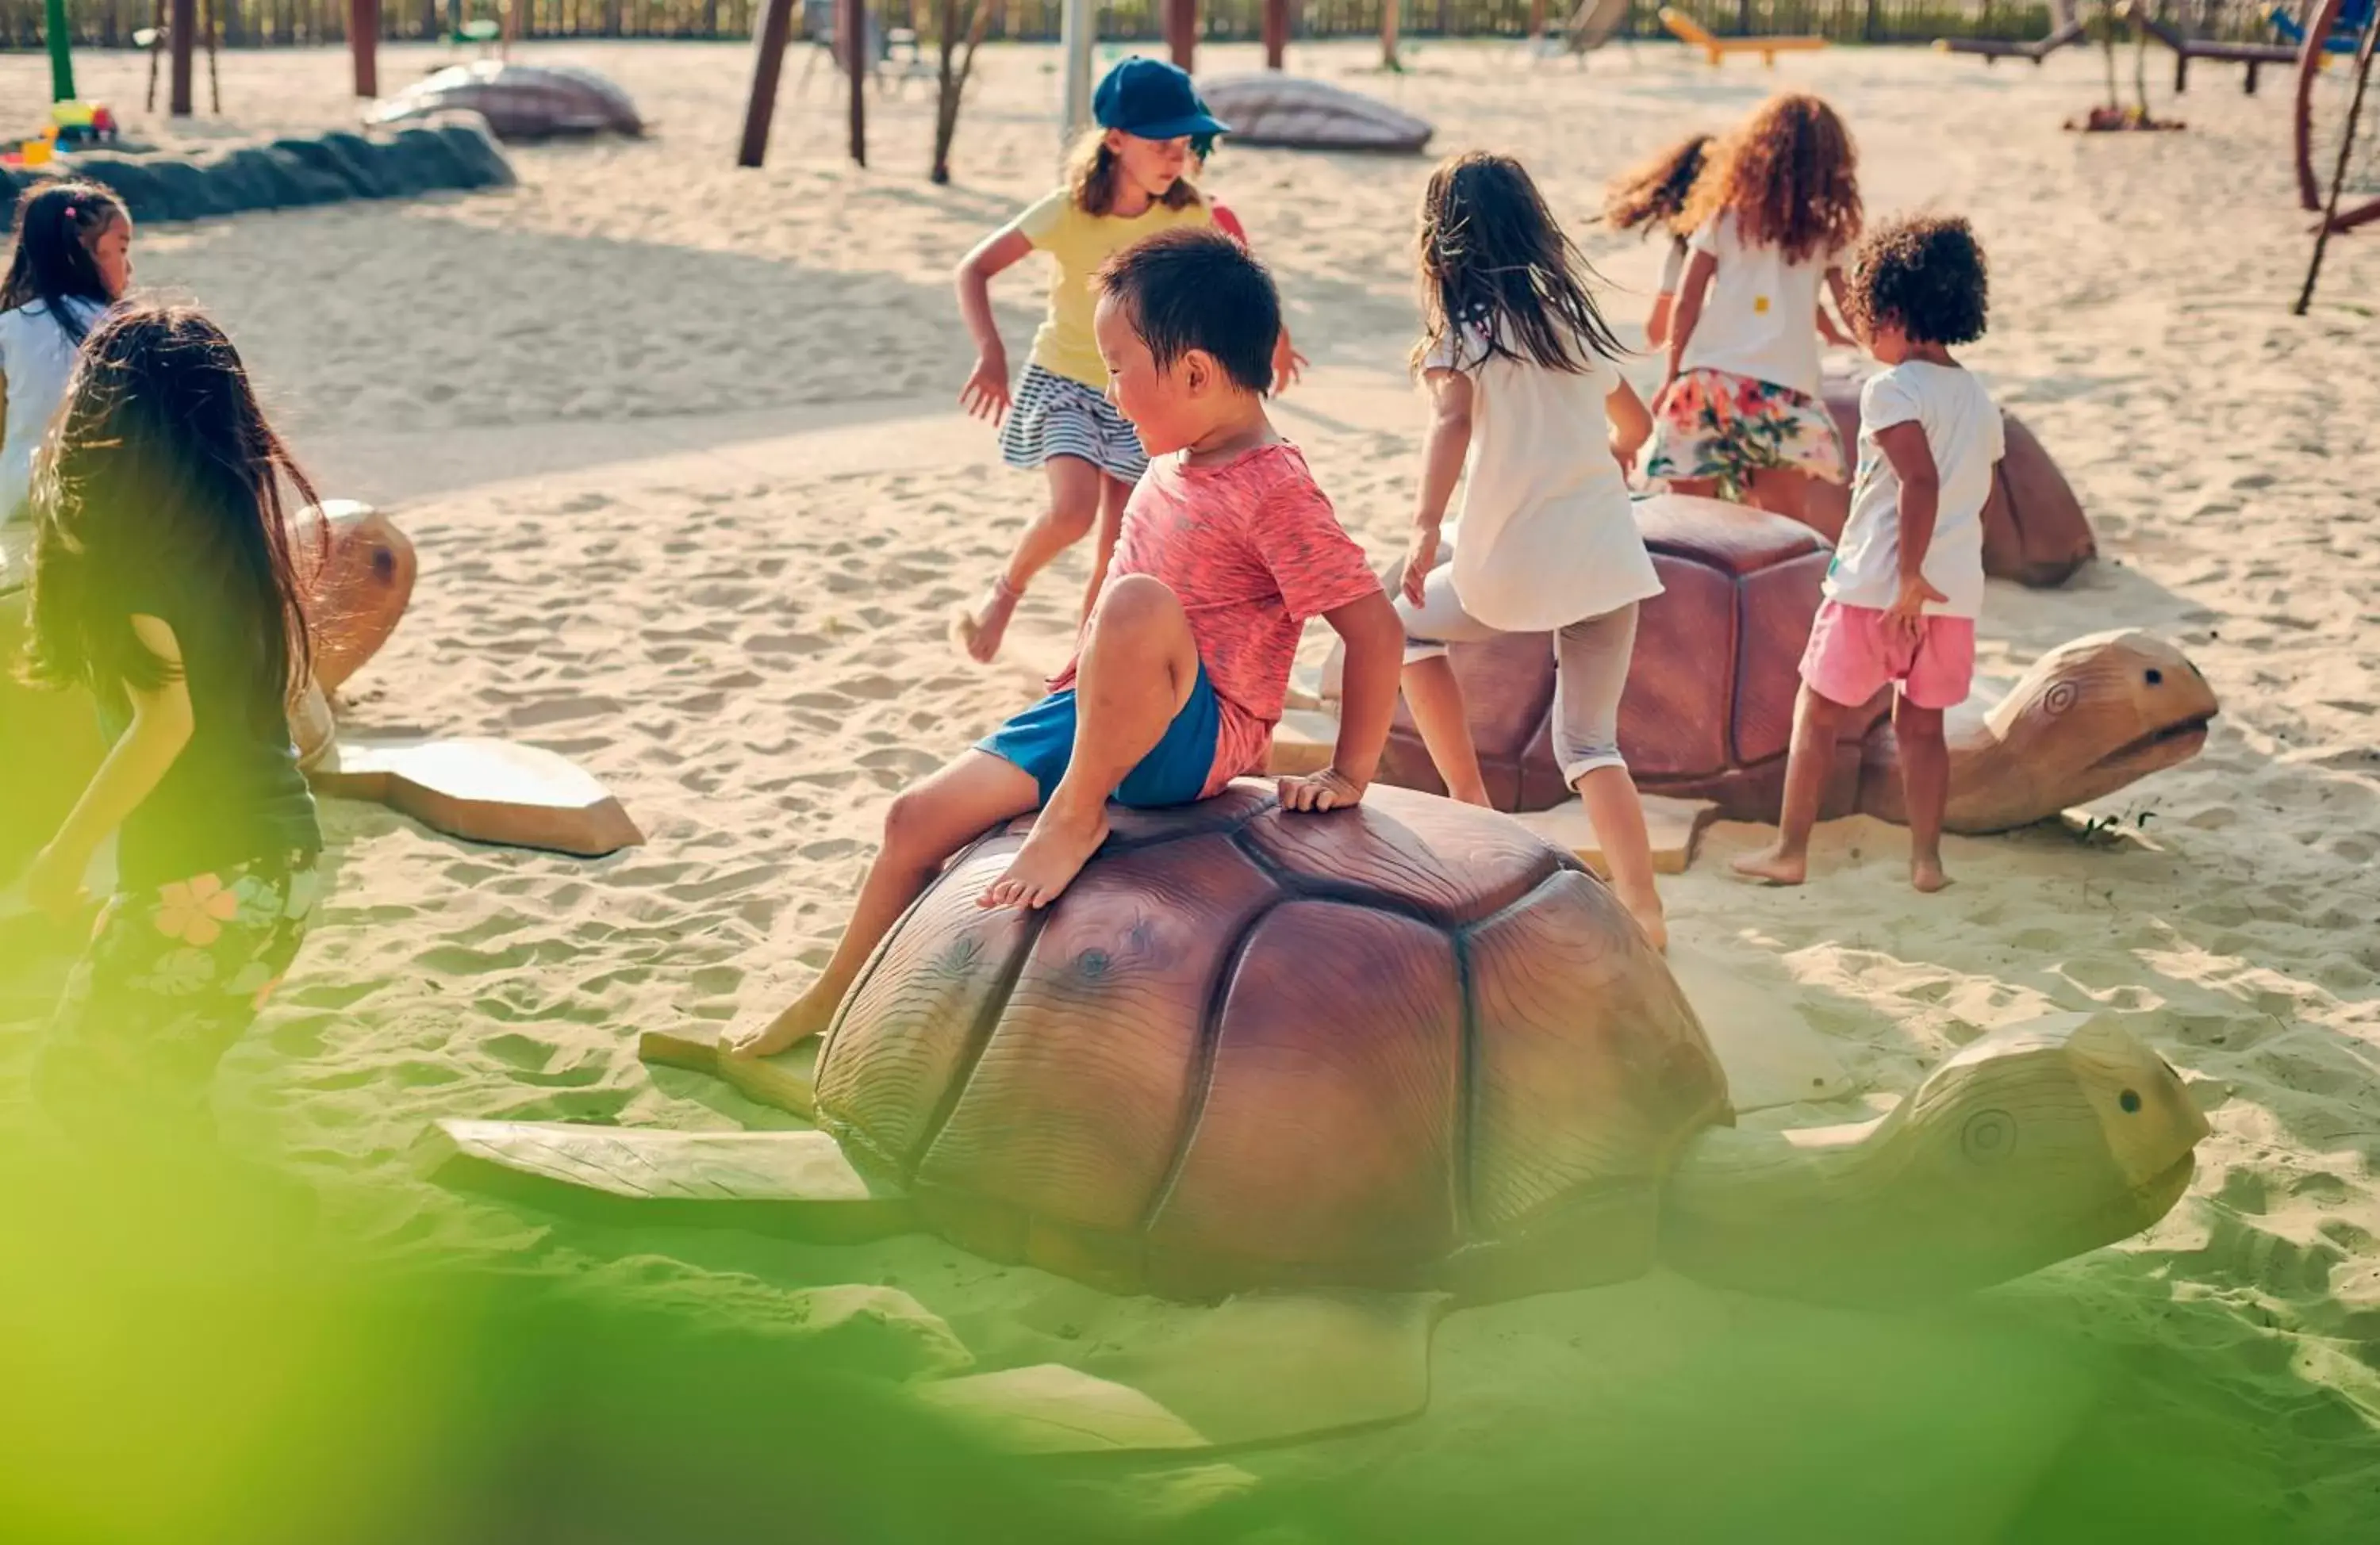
{"type": "Point", "coordinates": [1963, 431]}
{"type": "Point", "coordinates": [36, 357]}
{"type": "Point", "coordinates": [1759, 318]}
{"type": "Point", "coordinates": [1549, 535]}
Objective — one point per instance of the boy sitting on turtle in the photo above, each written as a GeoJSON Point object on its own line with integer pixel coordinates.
{"type": "Point", "coordinates": [1227, 549]}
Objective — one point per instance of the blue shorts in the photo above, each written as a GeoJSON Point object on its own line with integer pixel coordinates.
{"type": "Point", "coordinates": [1042, 741]}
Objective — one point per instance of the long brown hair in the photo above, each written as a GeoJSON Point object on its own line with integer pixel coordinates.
{"type": "Point", "coordinates": [1654, 192]}
{"type": "Point", "coordinates": [1789, 175]}
{"type": "Point", "coordinates": [51, 261]}
{"type": "Point", "coordinates": [1492, 256]}
{"type": "Point", "coordinates": [1092, 169]}
{"type": "Point", "coordinates": [161, 472]}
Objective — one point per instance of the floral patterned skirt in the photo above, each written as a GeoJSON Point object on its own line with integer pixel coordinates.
{"type": "Point", "coordinates": [171, 978]}
{"type": "Point", "coordinates": [1714, 425]}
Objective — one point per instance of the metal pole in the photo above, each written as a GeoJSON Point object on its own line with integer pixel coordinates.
{"type": "Point", "coordinates": [61, 40]}
{"type": "Point", "coordinates": [1077, 33]}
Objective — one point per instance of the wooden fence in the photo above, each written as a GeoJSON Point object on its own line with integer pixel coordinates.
{"type": "Point", "coordinates": [253, 23]}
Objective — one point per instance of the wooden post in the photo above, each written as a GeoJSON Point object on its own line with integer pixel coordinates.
{"type": "Point", "coordinates": [851, 35]}
{"type": "Point", "coordinates": [363, 44]}
{"type": "Point", "coordinates": [768, 57]}
{"type": "Point", "coordinates": [1276, 32]}
{"type": "Point", "coordinates": [1537, 19]}
{"type": "Point", "coordinates": [1389, 22]}
{"type": "Point", "coordinates": [181, 31]}
{"type": "Point", "coordinates": [1182, 30]}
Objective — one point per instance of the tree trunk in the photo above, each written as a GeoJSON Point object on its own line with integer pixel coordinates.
{"type": "Point", "coordinates": [953, 82]}
{"type": "Point", "coordinates": [1390, 20]}
{"type": "Point", "coordinates": [850, 36]}
{"type": "Point", "coordinates": [768, 57]}
{"type": "Point", "coordinates": [181, 30]}
{"type": "Point", "coordinates": [1182, 31]}
{"type": "Point", "coordinates": [363, 45]}
{"type": "Point", "coordinates": [1276, 32]}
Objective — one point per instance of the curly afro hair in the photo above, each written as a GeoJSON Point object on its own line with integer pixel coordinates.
{"type": "Point", "coordinates": [1926, 274]}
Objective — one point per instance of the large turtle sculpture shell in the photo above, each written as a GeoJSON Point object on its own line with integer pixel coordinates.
{"type": "Point", "coordinates": [520, 102]}
{"type": "Point", "coordinates": [1708, 711]}
{"type": "Point", "coordinates": [1405, 1046]}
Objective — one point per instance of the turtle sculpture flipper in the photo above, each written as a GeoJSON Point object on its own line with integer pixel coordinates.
{"type": "Point", "coordinates": [1709, 712]}
{"type": "Point", "coordinates": [1401, 1049]}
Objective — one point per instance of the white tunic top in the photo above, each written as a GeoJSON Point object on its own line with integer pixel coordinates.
{"type": "Point", "coordinates": [1760, 316]}
{"type": "Point", "coordinates": [1963, 431]}
{"type": "Point", "coordinates": [1549, 535]}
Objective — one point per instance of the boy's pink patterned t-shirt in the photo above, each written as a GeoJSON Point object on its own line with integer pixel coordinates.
{"type": "Point", "coordinates": [1253, 550]}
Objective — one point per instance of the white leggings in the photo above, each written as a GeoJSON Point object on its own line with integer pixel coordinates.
{"type": "Point", "coordinates": [1590, 668]}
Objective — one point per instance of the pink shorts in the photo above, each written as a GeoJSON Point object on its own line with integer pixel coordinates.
{"type": "Point", "coordinates": [1853, 655]}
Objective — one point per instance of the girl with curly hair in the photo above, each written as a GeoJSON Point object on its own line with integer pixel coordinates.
{"type": "Point", "coordinates": [1652, 197]}
{"type": "Point", "coordinates": [1739, 413]}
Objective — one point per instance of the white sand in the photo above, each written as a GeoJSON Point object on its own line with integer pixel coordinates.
{"type": "Point", "coordinates": [673, 442]}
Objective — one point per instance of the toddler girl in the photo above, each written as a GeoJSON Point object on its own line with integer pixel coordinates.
{"type": "Point", "coordinates": [71, 260]}
{"type": "Point", "coordinates": [1739, 415]}
{"type": "Point", "coordinates": [1907, 581]}
{"type": "Point", "coordinates": [1519, 363]}
{"type": "Point", "coordinates": [162, 582]}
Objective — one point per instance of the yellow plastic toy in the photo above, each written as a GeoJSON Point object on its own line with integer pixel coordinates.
{"type": "Point", "coordinates": [1714, 48]}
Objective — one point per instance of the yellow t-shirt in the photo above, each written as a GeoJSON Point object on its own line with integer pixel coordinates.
{"type": "Point", "coordinates": [1080, 243]}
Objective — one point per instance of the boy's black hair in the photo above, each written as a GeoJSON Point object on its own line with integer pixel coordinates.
{"type": "Point", "coordinates": [1195, 288]}
{"type": "Point", "coordinates": [1926, 274]}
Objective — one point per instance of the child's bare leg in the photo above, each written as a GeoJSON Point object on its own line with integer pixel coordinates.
{"type": "Point", "coordinates": [1817, 725]}
{"type": "Point", "coordinates": [1925, 788]}
{"type": "Point", "coordinates": [1782, 491]}
{"type": "Point", "coordinates": [1609, 795]}
{"type": "Point", "coordinates": [1138, 665]}
{"type": "Point", "coordinates": [926, 823]}
{"type": "Point", "coordinates": [1436, 699]}
{"type": "Point", "coordinates": [1073, 508]}
{"type": "Point", "coordinates": [1113, 491]}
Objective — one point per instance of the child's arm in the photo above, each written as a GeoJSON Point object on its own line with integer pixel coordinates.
{"type": "Point", "coordinates": [1657, 326]}
{"type": "Point", "coordinates": [159, 728]}
{"type": "Point", "coordinates": [1921, 495]}
{"type": "Point", "coordinates": [986, 392]}
{"type": "Point", "coordinates": [1368, 700]}
{"type": "Point", "coordinates": [1838, 336]}
{"type": "Point", "coordinates": [1692, 291]}
{"type": "Point", "coordinates": [1444, 446]}
{"type": "Point", "coordinates": [1632, 424]}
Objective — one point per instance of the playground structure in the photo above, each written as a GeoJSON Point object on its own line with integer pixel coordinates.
{"type": "Point", "coordinates": [1715, 49]}
{"type": "Point", "coordinates": [2313, 141]}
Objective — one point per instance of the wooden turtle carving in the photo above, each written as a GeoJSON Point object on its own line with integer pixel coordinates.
{"type": "Point", "coordinates": [1403, 1046]}
{"type": "Point", "coordinates": [520, 102]}
{"type": "Point", "coordinates": [1709, 712]}
{"type": "Point", "coordinates": [2034, 531]}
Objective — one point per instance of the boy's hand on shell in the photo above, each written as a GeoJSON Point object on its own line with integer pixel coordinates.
{"type": "Point", "coordinates": [1328, 789]}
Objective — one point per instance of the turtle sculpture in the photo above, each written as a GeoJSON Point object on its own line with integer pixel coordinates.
{"type": "Point", "coordinates": [1295, 114]}
{"type": "Point", "coordinates": [2034, 531]}
{"type": "Point", "coordinates": [1405, 1046]}
{"type": "Point", "coordinates": [520, 102]}
{"type": "Point", "coordinates": [1708, 713]}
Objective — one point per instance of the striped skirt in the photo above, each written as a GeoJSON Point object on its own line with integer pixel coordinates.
{"type": "Point", "coordinates": [1055, 415]}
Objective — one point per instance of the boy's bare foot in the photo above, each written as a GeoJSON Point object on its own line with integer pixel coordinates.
{"type": "Point", "coordinates": [1061, 841]}
{"type": "Point", "coordinates": [808, 1015]}
{"type": "Point", "coordinates": [981, 631]}
{"type": "Point", "coordinates": [1926, 874]}
{"type": "Point", "coordinates": [1773, 866]}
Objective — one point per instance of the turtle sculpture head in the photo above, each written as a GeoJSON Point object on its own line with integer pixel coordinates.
{"type": "Point", "coordinates": [2030, 1145]}
{"type": "Point", "coordinates": [2096, 713]}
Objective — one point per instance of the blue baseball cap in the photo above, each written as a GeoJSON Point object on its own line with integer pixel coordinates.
{"type": "Point", "coordinates": [1152, 100]}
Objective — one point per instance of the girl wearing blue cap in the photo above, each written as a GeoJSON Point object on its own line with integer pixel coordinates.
{"type": "Point", "coordinates": [1126, 180]}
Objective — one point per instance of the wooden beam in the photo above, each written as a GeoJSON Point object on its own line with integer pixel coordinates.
{"type": "Point", "coordinates": [851, 32]}
{"type": "Point", "coordinates": [1182, 30]}
{"type": "Point", "coordinates": [181, 32]}
{"type": "Point", "coordinates": [1276, 32]}
{"type": "Point", "coordinates": [363, 44]}
{"type": "Point", "coordinates": [768, 58]}
{"type": "Point", "coordinates": [1389, 17]}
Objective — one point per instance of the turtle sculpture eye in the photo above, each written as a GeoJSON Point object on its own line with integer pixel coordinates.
{"type": "Point", "coordinates": [2156, 677]}
{"type": "Point", "coordinates": [2130, 1101]}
